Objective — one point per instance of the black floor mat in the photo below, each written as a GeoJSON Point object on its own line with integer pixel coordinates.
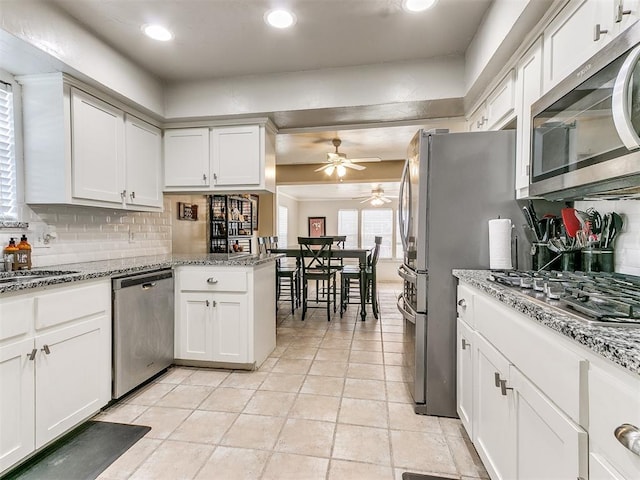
{"type": "Point", "coordinates": [419, 476]}
{"type": "Point", "coordinates": [83, 454]}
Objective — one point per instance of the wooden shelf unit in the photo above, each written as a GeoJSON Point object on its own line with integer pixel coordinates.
{"type": "Point", "coordinates": [230, 224]}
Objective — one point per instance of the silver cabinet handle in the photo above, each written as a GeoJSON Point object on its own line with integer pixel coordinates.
{"type": "Point", "coordinates": [32, 354]}
{"type": "Point", "coordinates": [465, 344]}
{"type": "Point", "coordinates": [462, 302]}
{"type": "Point", "coordinates": [204, 177]}
{"type": "Point", "coordinates": [132, 195]}
{"type": "Point", "coordinates": [45, 348]}
{"type": "Point", "coordinates": [598, 32]}
{"type": "Point", "coordinates": [482, 121]}
{"type": "Point", "coordinates": [621, 12]}
{"type": "Point", "coordinates": [123, 194]}
{"type": "Point", "coordinates": [215, 176]}
{"type": "Point", "coordinates": [214, 303]}
{"type": "Point", "coordinates": [496, 379]}
{"type": "Point", "coordinates": [147, 286]}
{"type": "Point", "coordinates": [629, 436]}
{"type": "Point", "coordinates": [212, 281]}
{"type": "Point", "coordinates": [504, 388]}
{"type": "Point", "coordinates": [206, 302]}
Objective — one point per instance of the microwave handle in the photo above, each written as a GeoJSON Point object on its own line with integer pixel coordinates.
{"type": "Point", "coordinates": [620, 104]}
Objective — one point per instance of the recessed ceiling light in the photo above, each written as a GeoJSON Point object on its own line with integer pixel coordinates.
{"type": "Point", "coordinates": [418, 5]}
{"type": "Point", "coordinates": [157, 32]}
{"type": "Point", "coordinates": [280, 18]}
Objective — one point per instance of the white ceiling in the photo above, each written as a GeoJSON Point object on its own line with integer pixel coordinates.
{"type": "Point", "coordinates": [340, 191]}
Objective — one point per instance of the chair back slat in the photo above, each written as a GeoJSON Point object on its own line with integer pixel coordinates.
{"type": "Point", "coordinates": [373, 259]}
{"type": "Point", "coordinates": [315, 253]}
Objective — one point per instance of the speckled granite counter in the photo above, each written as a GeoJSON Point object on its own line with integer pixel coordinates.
{"type": "Point", "coordinates": [74, 272]}
{"type": "Point", "coordinates": [621, 345]}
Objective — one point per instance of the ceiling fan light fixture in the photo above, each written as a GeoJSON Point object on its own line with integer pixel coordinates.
{"type": "Point", "coordinates": [329, 170]}
{"type": "Point", "coordinates": [157, 32]}
{"type": "Point", "coordinates": [376, 202]}
{"type": "Point", "coordinates": [340, 171]}
{"type": "Point", "coordinates": [414, 6]}
{"type": "Point", "coordinates": [280, 18]}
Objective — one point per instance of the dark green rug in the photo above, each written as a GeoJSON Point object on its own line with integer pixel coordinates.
{"type": "Point", "coordinates": [83, 454]}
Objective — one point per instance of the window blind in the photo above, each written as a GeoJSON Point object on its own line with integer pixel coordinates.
{"type": "Point", "coordinates": [8, 197]}
{"type": "Point", "coordinates": [283, 226]}
{"type": "Point", "coordinates": [378, 223]}
{"type": "Point", "coordinates": [348, 225]}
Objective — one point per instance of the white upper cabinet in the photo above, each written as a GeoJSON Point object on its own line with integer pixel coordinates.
{"type": "Point", "coordinates": [625, 14]}
{"type": "Point", "coordinates": [235, 155]}
{"type": "Point", "coordinates": [79, 150]}
{"type": "Point", "coordinates": [143, 158]}
{"type": "Point", "coordinates": [497, 109]}
{"type": "Point", "coordinates": [186, 158]}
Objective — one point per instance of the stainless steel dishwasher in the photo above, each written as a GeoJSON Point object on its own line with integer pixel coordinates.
{"type": "Point", "coordinates": [143, 329]}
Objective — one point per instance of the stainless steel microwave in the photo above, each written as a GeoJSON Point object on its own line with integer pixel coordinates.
{"type": "Point", "coordinates": [585, 138]}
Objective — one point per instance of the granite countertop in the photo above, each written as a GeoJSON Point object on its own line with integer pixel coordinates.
{"type": "Point", "coordinates": [72, 272]}
{"type": "Point", "coordinates": [621, 345]}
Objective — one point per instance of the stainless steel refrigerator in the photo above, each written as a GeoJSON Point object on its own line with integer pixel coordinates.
{"type": "Point", "coordinates": [452, 185]}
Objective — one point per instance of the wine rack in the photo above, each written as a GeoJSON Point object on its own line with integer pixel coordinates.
{"type": "Point", "coordinates": [230, 227]}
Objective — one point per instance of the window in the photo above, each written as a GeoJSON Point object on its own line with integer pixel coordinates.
{"type": "Point", "coordinates": [378, 223]}
{"type": "Point", "coordinates": [399, 249]}
{"type": "Point", "coordinates": [348, 225]}
{"type": "Point", "coordinates": [8, 181]}
{"type": "Point", "coordinates": [283, 226]}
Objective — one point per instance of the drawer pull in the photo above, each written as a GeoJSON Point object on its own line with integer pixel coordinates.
{"type": "Point", "coordinates": [496, 378]}
{"type": "Point", "coordinates": [32, 355]}
{"type": "Point", "coordinates": [465, 344]}
{"type": "Point", "coordinates": [212, 281]}
{"type": "Point", "coordinates": [629, 436]}
{"type": "Point", "coordinates": [46, 349]}
{"type": "Point", "coordinates": [504, 388]}
{"type": "Point", "coordinates": [462, 302]}
{"type": "Point", "coordinates": [147, 286]}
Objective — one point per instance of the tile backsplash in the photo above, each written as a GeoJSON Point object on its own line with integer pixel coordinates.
{"type": "Point", "coordinates": [627, 243]}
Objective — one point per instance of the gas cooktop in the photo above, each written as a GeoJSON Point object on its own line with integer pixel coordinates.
{"type": "Point", "coordinates": [608, 299]}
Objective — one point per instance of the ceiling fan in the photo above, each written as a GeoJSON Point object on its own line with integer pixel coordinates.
{"type": "Point", "coordinates": [339, 162]}
{"type": "Point", "coordinates": [377, 197]}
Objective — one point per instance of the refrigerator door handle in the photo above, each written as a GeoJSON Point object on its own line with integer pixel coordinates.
{"type": "Point", "coordinates": [407, 275]}
{"type": "Point", "coordinates": [405, 309]}
{"type": "Point", "coordinates": [403, 220]}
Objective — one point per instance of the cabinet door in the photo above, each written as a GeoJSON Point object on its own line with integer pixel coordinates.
{"type": "Point", "coordinates": [97, 138]}
{"type": "Point", "coordinates": [501, 103]}
{"type": "Point", "coordinates": [549, 445]}
{"type": "Point", "coordinates": [599, 469]}
{"type": "Point", "coordinates": [626, 13]}
{"type": "Point", "coordinates": [235, 155]}
{"type": "Point", "coordinates": [494, 413]}
{"type": "Point", "coordinates": [186, 157]}
{"type": "Point", "coordinates": [464, 376]}
{"type": "Point", "coordinates": [17, 402]}
{"type": "Point", "coordinates": [230, 328]}
{"type": "Point", "coordinates": [143, 163]}
{"type": "Point", "coordinates": [193, 326]}
{"type": "Point", "coordinates": [73, 380]}
{"type": "Point", "coordinates": [570, 38]}
{"type": "Point", "coordinates": [478, 120]}
{"type": "Point", "coordinates": [528, 90]}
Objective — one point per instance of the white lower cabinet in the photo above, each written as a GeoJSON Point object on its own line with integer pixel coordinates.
{"type": "Point", "coordinates": [465, 386]}
{"type": "Point", "coordinates": [55, 364]}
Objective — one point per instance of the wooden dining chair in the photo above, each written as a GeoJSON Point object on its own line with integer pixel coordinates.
{"type": "Point", "coordinates": [287, 278]}
{"type": "Point", "coordinates": [351, 273]}
{"type": "Point", "coordinates": [262, 245]}
{"type": "Point", "coordinates": [315, 253]}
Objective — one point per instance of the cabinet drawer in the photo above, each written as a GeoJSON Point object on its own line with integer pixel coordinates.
{"type": "Point", "coordinates": [539, 353]}
{"type": "Point", "coordinates": [214, 280]}
{"type": "Point", "coordinates": [464, 305]}
{"type": "Point", "coordinates": [71, 303]}
{"type": "Point", "coordinates": [16, 316]}
{"type": "Point", "coordinates": [614, 399]}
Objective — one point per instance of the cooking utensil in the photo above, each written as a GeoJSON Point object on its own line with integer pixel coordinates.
{"type": "Point", "coordinates": [570, 221]}
{"type": "Point", "coordinates": [596, 220]}
{"type": "Point", "coordinates": [617, 223]}
{"type": "Point", "coordinates": [530, 221]}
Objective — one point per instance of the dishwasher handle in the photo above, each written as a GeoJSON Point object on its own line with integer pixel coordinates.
{"type": "Point", "coordinates": [144, 278]}
{"type": "Point", "coordinates": [147, 286]}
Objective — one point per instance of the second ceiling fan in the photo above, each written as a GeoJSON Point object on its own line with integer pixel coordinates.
{"type": "Point", "coordinates": [338, 162]}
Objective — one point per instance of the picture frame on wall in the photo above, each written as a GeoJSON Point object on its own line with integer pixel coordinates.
{"type": "Point", "coordinates": [317, 226]}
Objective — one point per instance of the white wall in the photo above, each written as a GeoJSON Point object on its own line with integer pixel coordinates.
{"type": "Point", "coordinates": [292, 212]}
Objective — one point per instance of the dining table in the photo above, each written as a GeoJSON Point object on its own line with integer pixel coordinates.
{"type": "Point", "coordinates": [360, 254]}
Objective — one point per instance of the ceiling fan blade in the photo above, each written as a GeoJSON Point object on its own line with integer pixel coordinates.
{"type": "Point", "coordinates": [367, 200]}
{"type": "Point", "coordinates": [354, 166]}
{"type": "Point", "coordinates": [324, 167]}
{"type": "Point", "coordinates": [385, 199]}
{"type": "Point", "coordinates": [366, 159]}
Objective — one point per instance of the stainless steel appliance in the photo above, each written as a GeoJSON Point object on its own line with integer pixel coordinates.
{"type": "Point", "coordinates": [452, 185]}
{"type": "Point", "coordinates": [586, 129]}
{"type": "Point", "coordinates": [602, 299]}
{"type": "Point", "coordinates": [143, 328]}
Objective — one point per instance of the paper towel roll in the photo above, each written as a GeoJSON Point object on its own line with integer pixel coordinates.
{"type": "Point", "coordinates": [500, 244]}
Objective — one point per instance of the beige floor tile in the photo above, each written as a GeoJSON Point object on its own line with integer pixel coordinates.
{"type": "Point", "coordinates": [174, 461]}
{"type": "Point", "coordinates": [185, 396]}
{"type": "Point", "coordinates": [362, 444]}
{"type": "Point", "coordinates": [162, 420]}
{"type": "Point", "coordinates": [323, 385]}
{"type": "Point", "coordinates": [268, 364]}
{"type": "Point", "coordinates": [346, 470]}
{"type": "Point", "coordinates": [392, 337]}
{"type": "Point", "coordinates": [396, 373]}
{"type": "Point", "coordinates": [399, 392]}
{"type": "Point", "coordinates": [366, 389]}
{"type": "Point", "coordinates": [285, 466]}
{"type": "Point", "coordinates": [283, 382]}
{"type": "Point", "coordinates": [400, 471]}
{"type": "Point", "coordinates": [394, 358]}
{"type": "Point", "coordinates": [466, 458]}
{"type": "Point", "coordinates": [394, 347]}
{"type": "Point", "coordinates": [452, 427]}
{"type": "Point", "coordinates": [149, 394]}
{"type": "Point", "coordinates": [333, 354]}
{"type": "Point", "coordinates": [341, 334]}
{"type": "Point", "coordinates": [175, 375]}
{"type": "Point", "coordinates": [367, 345]}
{"type": "Point", "coordinates": [315, 407]}
{"type": "Point", "coordinates": [365, 371]}
{"type": "Point", "coordinates": [207, 378]}
{"type": "Point", "coordinates": [253, 431]}
{"type": "Point", "coordinates": [228, 463]}
{"type": "Point", "coordinates": [328, 369]}
{"type": "Point", "coordinates": [300, 353]}
{"type": "Point", "coordinates": [121, 413]}
{"type": "Point", "coordinates": [265, 402]}
{"type": "Point", "coordinates": [403, 417]}
{"type": "Point", "coordinates": [227, 400]}
{"type": "Point", "coordinates": [369, 413]}
{"type": "Point", "coordinates": [392, 328]}
{"type": "Point", "coordinates": [291, 365]}
{"type": "Point", "coordinates": [244, 379]}
{"type": "Point", "coordinates": [434, 454]}
{"type": "Point", "coordinates": [362, 356]}
{"type": "Point", "coordinates": [130, 460]}
{"type": "Point", "coordinates": [306, 437]}
{"type": "Point", "coordinates": [336, 343]}
{"type": "Point", "coordinates": [203, 427]}
{"type": "Point", "coordinates": [308, 342]}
